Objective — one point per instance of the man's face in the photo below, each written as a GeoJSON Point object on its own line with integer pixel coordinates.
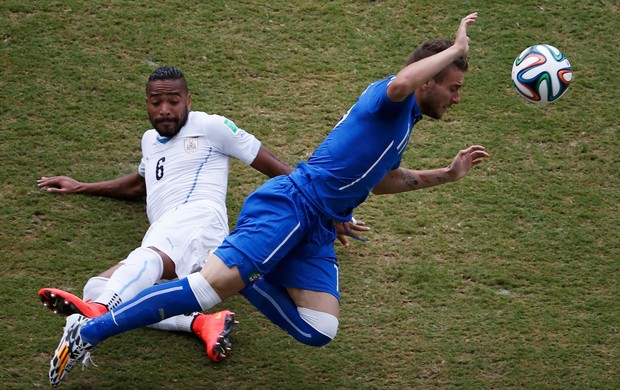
{"type": "Point", "coordinates": [438, 96]}
{"type": "Point", "coordinates": [168, 105]}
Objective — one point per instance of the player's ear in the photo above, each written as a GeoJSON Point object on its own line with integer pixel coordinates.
{"type": "Point", "coordinates": [427, 85]}
{"type": "Point", "coordinates": [189, 100]}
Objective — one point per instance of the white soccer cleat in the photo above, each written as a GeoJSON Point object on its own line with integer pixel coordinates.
{"type": "Point", "coordinates": [70, 350]}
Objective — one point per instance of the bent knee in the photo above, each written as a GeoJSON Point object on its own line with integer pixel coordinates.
{"type": "Point", "coordinates": [324, 327]}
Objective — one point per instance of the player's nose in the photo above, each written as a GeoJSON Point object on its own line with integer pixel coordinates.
{"type": "Point", "coordinates": [456, 98]}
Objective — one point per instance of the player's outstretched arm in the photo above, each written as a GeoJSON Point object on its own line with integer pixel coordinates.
{"type": "Point", "coordinates": [131, 186]}
{"type": "Point", "coordinates": [402, 179]}
{"type": "Point", "coordinates": [414, 75]}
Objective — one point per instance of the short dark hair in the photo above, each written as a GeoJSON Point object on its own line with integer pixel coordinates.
{"type": "Point", "coordinates": [167, 73]}
{"type": "Point", "coordinates": [433, 47]}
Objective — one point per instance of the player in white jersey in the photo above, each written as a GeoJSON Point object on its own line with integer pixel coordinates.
{"type": "Point", "coordinates": [184, 175]}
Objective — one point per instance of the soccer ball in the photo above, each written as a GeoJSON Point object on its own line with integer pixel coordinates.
{"type": "Point", "coordinates": [541, 74]}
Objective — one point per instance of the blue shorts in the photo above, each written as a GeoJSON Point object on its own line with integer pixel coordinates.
{"type": "Point", "coordinates": [281, 237]}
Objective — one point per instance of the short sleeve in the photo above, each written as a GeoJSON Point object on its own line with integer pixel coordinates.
{"type": "Point", "coordinates": [232, 140]}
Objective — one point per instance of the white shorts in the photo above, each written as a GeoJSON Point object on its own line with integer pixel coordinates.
{"type": "Point", "coordinates": [188, 235]}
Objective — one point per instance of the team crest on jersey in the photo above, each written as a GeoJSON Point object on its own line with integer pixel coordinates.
{"type": "Point", "coordinates": [190, 144]}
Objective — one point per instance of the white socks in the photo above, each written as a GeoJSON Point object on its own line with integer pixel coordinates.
{"type": "Point", "coordinates": [142, 269]}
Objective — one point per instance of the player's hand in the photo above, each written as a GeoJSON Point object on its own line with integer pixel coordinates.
{"type": "Point", "coordinates": [345, 230]}
{"type": "Point", "coordinates": [465, 160]}
{"type": "Point", "coordinates": [462, 40]}
{"type": "Point", "coordinates": [59, 184]}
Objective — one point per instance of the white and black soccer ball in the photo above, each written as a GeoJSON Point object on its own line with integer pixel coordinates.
{"type": "Point", "coordinates": [541, 74]}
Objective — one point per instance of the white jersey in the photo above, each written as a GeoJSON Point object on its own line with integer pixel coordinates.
{"type": "Point", "coordinates": [193, 165]}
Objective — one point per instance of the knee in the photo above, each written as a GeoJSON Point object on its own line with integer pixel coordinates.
{"type": "Point", "coordinates": [324, 327]}
{"type": "Point", "coordinates": [317, 340]}
{"type": "Point", "coordinates": [141, 256]}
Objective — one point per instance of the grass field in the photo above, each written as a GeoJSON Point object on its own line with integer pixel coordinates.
{"type": "Point", "coordinates": [507, 279]}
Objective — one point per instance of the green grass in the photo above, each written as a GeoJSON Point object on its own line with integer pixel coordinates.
{"type": "Point", "coordinates": [507, 279]}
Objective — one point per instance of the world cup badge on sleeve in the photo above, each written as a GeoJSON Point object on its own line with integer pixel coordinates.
{"type": "Point", "coordinates": [190, 144]}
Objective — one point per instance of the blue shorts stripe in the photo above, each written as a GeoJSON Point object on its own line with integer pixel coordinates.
{"type": "Point", "coordinates": [282, 243]}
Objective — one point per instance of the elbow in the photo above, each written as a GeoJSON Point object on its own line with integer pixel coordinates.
{"type": "Point", "coordinates": [138, 192]}
{"type": "Point", "coordinates": [377, 191]}
{"type": "Point", "coordinates": [398, 90]}
{"type": "Point", "coordinates": [132, 195]}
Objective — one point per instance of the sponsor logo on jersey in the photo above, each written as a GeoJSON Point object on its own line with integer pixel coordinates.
{"type": "Point", "coordinates": [231, 125]}
{"type": "Point", "coordinates": [190, 145]}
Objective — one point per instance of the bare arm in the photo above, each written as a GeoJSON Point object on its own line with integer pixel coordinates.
{"type": "Point", "coordinates": [414, 75]}
{"type": "Point", "coordinates": [267, 163]}
{"type": "Point", "coordinates": [131, 186]}
{"type": "Point", "coordinates": [402, 179]}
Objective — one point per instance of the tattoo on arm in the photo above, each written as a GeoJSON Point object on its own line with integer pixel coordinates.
{"type": "Point", "coordinates": [425, 179]}
{"type": "Point", "coordinates": [436, 180]}
{"type": "Point", "coordinates": [410, 180]}
{"type": "Point", "coordinates": [414, 183]}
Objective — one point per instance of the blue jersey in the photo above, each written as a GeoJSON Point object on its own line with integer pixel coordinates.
{"type": "Point", "coordinates": [363, 147]}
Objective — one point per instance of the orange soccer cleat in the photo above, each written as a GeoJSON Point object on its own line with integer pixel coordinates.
{"type": "Point", "coordinates": [215, 329]}
{"type": "Point", "coordinates": [64, 303]}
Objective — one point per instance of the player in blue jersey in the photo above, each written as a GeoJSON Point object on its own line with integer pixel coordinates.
{"type": "Point", "coordinates": [281, 255]}
{"type": "Point", "coordinates": [183, 174]}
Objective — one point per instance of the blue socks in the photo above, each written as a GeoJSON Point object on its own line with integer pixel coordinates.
{"type": "Point", "coordinates": [169, 299]}
{"type": "Point", "coordinates": [148, 307]}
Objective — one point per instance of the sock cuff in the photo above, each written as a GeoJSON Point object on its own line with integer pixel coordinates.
{"type": "Point", "coordinates": [204, 293]}
{"type": "Point", "coordinates": [109, 299]}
